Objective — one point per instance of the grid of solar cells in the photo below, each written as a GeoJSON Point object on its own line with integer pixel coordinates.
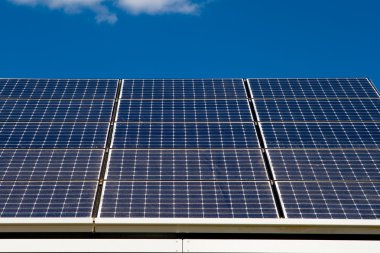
{"type": "Point", "coordinates": [53, 133]}
{"type": "Point", "coordinates": [174, 165]}
{"type": "Point", "coordinates": [49, 164]}
{"type": "Point", "coordinates": [186, 148]}
{"type": "Point", "coordinates": [312, 88]}
{"type": "Point", "coordinates": [46, 199]}
{"type": "Point", "coordinates": [58, 88]}
{"type": "Point", "coordinates": [55, 110]}
{"type": "Point", "coordinates": [326, 165]}
{"type": "Point", "coordinates": [188, 200]}
{"type": "Point", "coordinates": [183, 89]}
{"type": "Point", "coordinates": [322, 135]}
{"type": "Point", "coordinates": [184, 111]}
{"type": "Point", "coordinates": [319, 110]}
{"type": "Point", "coordinates": [331, 200]}
{"type": "Point", "coordinates": [185, 135]}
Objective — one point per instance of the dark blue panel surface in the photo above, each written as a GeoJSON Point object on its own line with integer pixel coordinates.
{"type": "Point", "coordinates": [188, 200]}
{"type": "Point", "coordinates": [310, 165]}
{"type": "Point", "coordinates": [183, 88]}
{"type": "Point", "coordinates": [319, 110]}
{"type": "Point", "coordinates": [184, 111]}
{"type": "Point", "coordinates": [203, 135]}
{"type": "Point", "coordinates": [46, 199]}
{"type": "Point", "coordinates": [51, 165]}
{"type": "Point", "coordinates": [55, 110]}
{"type": "Point", "coordinates": [321, 135]}
{"type": "Point", "coordinates": [331, 200]}
{"type": "Point", "coordinates": [186, 165]}
{"type": "Point", "coordinates": [312, 88]}
{"type": "Point", "coordinates": [58, 88]}
{"type": "Point", "coordinates": [53, 135]}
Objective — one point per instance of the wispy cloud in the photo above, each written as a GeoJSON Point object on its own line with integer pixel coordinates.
{"type": "Point", "coordinates": [103, 9]}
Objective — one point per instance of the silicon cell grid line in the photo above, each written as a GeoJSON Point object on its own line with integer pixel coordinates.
{"type": "Point", "coordinates": [185, 135]}
{"type": "Point", "coordinates": [53, 135]}
{"type": "Point", "coordinates": [321, 135]}
{"type": "Point", "coordinates": [58, 88]}
{"type": "Point", "coordinates": [183, 89]}
{"type": "Point", "coordinates": [46, 199]}
{"type": "Point", "coordinates": [331, 200]}
{"type": "Point", "coordinates": [325, 165]}
{"type": "Point", "coordinates": [174, 165]}
{"type": "Point", "coordinates": [55, 110]}
{"type": "Point", "coordinates": [188, 200]}
{"type": "Point", "coordinates": [312, 88]}
{"type": "Point", "coordinates": [49, 165]}
{"type": "Point", "coordinates": [184, 111]}
{"type": "Point", "coordinates": [319, 110]}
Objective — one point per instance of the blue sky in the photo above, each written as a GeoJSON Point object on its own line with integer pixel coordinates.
{"type": "Point", "coordinates": [184, 38]}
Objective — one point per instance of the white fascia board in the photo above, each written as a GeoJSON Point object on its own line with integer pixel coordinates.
{"type": "Point", "coordinates": [90, 245]}
{"type": "Point", "coordinates": [277, 226]}
{"type": "Point", "coordinates": [46, 225]}
{"type": "Point", "coordinates": [283, 246]}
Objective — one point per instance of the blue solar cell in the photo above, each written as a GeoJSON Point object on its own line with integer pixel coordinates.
{"type": "Point", "coordinates": [58, 88]}
{"type": "Point", "coordinates": [334, 165]}
{"type": "Point", "coordinates": [312, 88]}
{"type": "Point", "coordinates": [183, 88]}
{"type": "Point", "coordinates": [46, 199]}
{"type": "Point", "coordinates": [186, 165]}
{"type": "Point", "coordinates": [49, 165]}
{"type": "Point", "coordinates": [321, 135]}
{"type": "Point", "coordinates": [179, 135]}
{"type": "Point", "coordinates": [55, 110]}
{"type": "Point", "coordinates": [188, 200]}
{"type": "Point", "coordinates": [53, 135]}
{"type": "Point", "coordinates": [184, 111]}
{"type": "Point", "coordinates": [331, 200]}
{"type": "Point", "coordinates": [319, 110]}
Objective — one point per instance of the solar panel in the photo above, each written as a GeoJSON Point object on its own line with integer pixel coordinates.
{"type": "Point", "coordinates": [179, 135]}
{"type": "Point", "coordinates": [321, 135]}
{"type": "Point", "coordinates": [55, 110]}
{"type": "Point", "coordinates": [322, 165]}
{"type": "Point", "coordinates": [331, 200]}
{"type": "Point", "coordinates": [319, 110]}
{"type": "Point", "coordinates": [184, 111]}
{"type": "Point", "coordinates": [49, 165]}
{"type": "Point", "coordinates": [53, 135]}
{"type": "Point", "coordinates": [188, 200]}
{"type": "Point", "coordinates": [58, 88]}
{"type": "Point", "coordinates": [177, 165]}
{"type": "Point", "coordinates": [312, 88]}
{"type": "Point", "coordinates": [46, 199]}
{"type": "Point", "coordinates": [183, 89]}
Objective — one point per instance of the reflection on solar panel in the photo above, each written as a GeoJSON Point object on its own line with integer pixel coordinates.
{"type": "Point", "coordinates": [322, 135]}
{"type": "Point", "coordinates": [188, 200]}
{"type": "Point", "coordinates": [57, 89]}
{"type": "Point", "coordinates": [53, 135]}
{"type": "Point", "coordinates": [188, 135]}
{"type": "Point", "coordinates": [319, 110]}
{"type": "Point", "coordinates": [49, 165]}
{"type": "Point", "coordinates": [46, 199]}
{"type": "Point", "coordinates": [326, 200]}
{"type": "Point", "coordinates": [334, 165]}
{"type": "Point", "coordinates": [196, 164]}
{"type": "Point", "coordinates": [184, 111]}
{"type": "Point", "coordinates": [312, 88]}
{"type": "Point", "coordinates": [55, 110]}
{"type": "Point", "coordinates": [183, 89]}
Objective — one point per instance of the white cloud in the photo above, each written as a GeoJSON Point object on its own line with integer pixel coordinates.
{"type": "Point", "coordinates": [102, 7]}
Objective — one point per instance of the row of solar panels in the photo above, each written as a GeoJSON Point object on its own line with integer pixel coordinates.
{"type": "Point", "coordinates": [189, 148]}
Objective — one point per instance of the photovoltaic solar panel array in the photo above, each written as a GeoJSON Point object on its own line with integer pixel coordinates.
{"type": "Point", "coordinates": [190, 148]}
